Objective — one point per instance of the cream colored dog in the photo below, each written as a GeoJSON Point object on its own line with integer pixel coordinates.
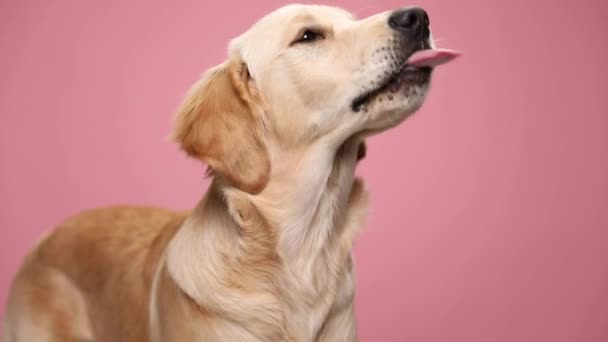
{"type": "Point", "coordinates": [266, 254]}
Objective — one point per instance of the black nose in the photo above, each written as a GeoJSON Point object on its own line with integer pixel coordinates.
{"type": "Point", "coordinates": [412, 20]}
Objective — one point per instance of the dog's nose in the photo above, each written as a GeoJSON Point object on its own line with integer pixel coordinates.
{"type": "Point", "coordinates": [412, 20]}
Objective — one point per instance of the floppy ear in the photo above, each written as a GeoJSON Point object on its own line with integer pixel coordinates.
{"type": "Point", "coordinates": [217, 124]}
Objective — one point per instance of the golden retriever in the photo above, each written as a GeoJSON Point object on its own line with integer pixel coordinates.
{"type": "Point", "coordinates": [266, 254]}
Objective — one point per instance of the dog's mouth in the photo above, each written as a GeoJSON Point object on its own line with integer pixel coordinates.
{"type": "Point", "coordinates": [417, 70]}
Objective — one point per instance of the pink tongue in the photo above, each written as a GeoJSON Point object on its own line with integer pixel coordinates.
{"type": "Point", "coordinates": [432, 57]}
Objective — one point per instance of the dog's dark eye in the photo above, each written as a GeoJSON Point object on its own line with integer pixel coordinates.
{"type": "Point", "coordinates": [308, 36]}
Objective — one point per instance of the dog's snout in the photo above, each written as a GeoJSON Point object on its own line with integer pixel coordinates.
{"type": "Point", "coordinates": [413, 20]}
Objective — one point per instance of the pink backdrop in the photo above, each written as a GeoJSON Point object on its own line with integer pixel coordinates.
{"type": "Point", "coordinates": [490, 206]}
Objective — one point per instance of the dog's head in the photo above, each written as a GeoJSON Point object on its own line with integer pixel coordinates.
{"type": "Point", "coordinates": [300, 75]}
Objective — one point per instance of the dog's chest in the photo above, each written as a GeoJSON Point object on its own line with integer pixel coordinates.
{"type": "Point", "coordinates": [309, 294]}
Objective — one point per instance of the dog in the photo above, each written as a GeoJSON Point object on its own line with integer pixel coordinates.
{"type": "Point", "coordinates": [266, 254]}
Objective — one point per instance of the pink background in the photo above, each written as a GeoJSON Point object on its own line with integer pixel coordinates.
{"type": "Point", "coordinates": [490, 206]}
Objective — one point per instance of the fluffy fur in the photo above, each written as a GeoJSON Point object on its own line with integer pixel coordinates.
{"type": "Point", "coordinates": [266, 254]}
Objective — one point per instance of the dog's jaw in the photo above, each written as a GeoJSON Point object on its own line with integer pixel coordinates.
{"type": "Point", "coordinates": [392, 90]}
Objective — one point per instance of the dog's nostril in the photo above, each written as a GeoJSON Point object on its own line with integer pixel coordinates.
{"type": "Point", "coordinates": [412, 19]}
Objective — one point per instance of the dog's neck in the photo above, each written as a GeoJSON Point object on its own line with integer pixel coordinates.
{"type": "Point", "coordinates": [300, 211]}
{"type": "Point", "coordinates": [291, 241]}
{"type": "Point", "coordinates": [302, 206]}
{"type": "Point", "coordinates": [307, 195]}
{"type": "Point", "coordinates": [300, 228]}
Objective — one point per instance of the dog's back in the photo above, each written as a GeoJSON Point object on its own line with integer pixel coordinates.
{"type": "Point", "coordinates": [100, 259]}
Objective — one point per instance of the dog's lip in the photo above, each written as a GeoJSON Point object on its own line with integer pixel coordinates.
{"type": "Point", "coordinates": [423, 60]}
{"type": "Point", "coordinates": [362, 99]}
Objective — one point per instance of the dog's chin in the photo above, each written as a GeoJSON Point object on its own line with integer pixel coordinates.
{"type": "Point", "coordinates": [389, 109]}
{"type": "Point", "coordinates": [395, 99]}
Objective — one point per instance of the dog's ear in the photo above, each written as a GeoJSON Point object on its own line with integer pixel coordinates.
{"type": "Point", "coordinates": [217, 123]}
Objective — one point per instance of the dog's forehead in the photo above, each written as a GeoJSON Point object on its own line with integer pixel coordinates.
{"type": "Point", "coordinates": [292, 14]}
{"type": "Point", "coordinates": [268, 34]}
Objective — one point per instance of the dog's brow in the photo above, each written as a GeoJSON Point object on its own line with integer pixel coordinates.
{"type": "Point", "coordinates": [303, 18]}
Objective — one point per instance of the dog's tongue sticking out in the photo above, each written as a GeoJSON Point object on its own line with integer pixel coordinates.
{"type": "Point", "coordinates": [432, 57]}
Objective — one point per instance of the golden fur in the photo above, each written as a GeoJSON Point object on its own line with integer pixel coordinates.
{"type": "Point", "coordinates": [266, 254]}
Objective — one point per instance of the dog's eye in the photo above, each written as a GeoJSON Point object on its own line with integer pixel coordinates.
{"type": "Point", "coordinates": [308, 36]}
